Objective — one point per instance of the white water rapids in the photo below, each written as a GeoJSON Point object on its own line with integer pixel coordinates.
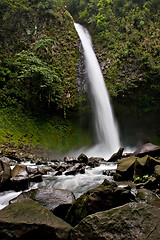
{"type": "Point", "coordinates": [106, 129]}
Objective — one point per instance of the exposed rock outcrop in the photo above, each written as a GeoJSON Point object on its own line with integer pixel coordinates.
{"type": "Point", "coordinates": [56, 200]}
{"type": "Point", "coordinates": [148, 148]}
{"type": "Point", "coordinates": [29, 220]}
{"type": "Point", "coordinates": [130, 221]}
{"type": "Point", "coordinates": [106, 196]}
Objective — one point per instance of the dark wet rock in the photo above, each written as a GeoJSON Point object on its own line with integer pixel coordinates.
{"type": "Point", "coordinates": [53, 165]}
{"type": "Point", "coordinates": [32, 170]}
{"type": "Point", "coordinates": [157, 172]}
{"type": "Point", "coordinates": [5, 173]}
{"type": "Point", "coordinates": [29, 220]}
{"type": "Point", "coordinates": [62, 167]}
{"type": "Point", "coordinates": [145, 165]}
{"type": "Point", "coordinates": [70, 160]}
{"type": "Point", "coordinates": [149, 197]}
{"type": "Point", "coordinates": [83, 158]}
{"type": "Point", "coordinates": [41, 162]}
{"type": "Point", "coordinates": [56, 200]}
{"type": "Point", "coordinates": [125, 168]}
{"type": "Point", "coordinates": [104, 197]}
{"type": "Point", "coordinates": [148, 148]}
{"type": "Point", "coordinates": [74, 170]}
{"type": "Point", "coordinates": [35, 178]}
{"type": "Point", "coordinates": [45, 169]}
{"type": "Point", "coordinates": [82, 170]}
{"type": "Point", "coordinates": [130, 221]}
{"type": "Point", "coordinates": [19, 183]}
{"type": "Point", "coordinates": [116, 156]}
{"type": "Point", "coordinates": [117, 177]}
{"type": "Point", "coordinates": [58, 173]}
{"type": "Point", "coordinates": [151, 184]}
{"type": "Point", "coordinates": [94, 161]}
{"type": "Point", "coordinates": [135, 168]}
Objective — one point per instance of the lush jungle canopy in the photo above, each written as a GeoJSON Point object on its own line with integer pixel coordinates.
{"type": "Point", "coordinates": [127, 37]}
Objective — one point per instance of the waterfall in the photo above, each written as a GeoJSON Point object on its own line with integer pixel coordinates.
{"type": "Point", "coordinates": [106, 129]}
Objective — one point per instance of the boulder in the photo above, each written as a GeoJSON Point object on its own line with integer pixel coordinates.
{"type": "Point", "coordinates": [83, 158]}
{"type": "Point", "coordinates": [5, 159]}
{"type": "Point", "coordinates": [151, 184]}
{"type": "Point", "coordinates": [56, 200]}
{"type": "Point", "coordinates": [45, 169]}
{"type": "Point", "coordinates": [29, 220]}
{"type": "Point", "coordinates": [147, 149]}
{"type": "Point", "coordinates": [20, 179]}
{"type": "Point", "coordinates": [104, 197]}
{"type": "Point", "coordinates": [19, 170]}
{"type": "Point", "coordinates": [125, 168]}
{"type": "Point", "coordinates": [35, 178]}
{"type": "Point", "coordinates": [94, 161]}
{"type": "Point", "coordinates": [70, 160]}
{"type": "Point", "coordinates": [5, 173]}
{"type": "Point", "coordinates": [130, 221]}
{"type": "Point", "coordinates": [149, 197]}
{"type": "Point", "coordinates": [74, 170]}
{"type": "Point", "coordinates": [116, 156]}
{"type": "Point", "coordinates": [32, 170]}
{"type": "Point", "coordinates": [145, 166]}
{"type": "Point", "coordinates": [61, 167]}
{"type": "Point", "coordinates": [19, 183]}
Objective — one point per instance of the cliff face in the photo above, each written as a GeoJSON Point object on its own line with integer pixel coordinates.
{"type": "Point", "coordinates": [38, 41]}
{"type": "Point", "coordinates": [126, 36]}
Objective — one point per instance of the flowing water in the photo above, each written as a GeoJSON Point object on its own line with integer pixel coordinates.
{"type": "Point", "coordinates": [107, 133]}
{"type": "Point", "coordinates": [106, 129]}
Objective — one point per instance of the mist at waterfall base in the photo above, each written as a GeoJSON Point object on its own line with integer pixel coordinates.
{"type": "Point", "coordinates": [106, 129]}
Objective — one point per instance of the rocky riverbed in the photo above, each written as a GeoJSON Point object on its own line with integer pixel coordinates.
{"type": "Point", "coordinates": [126, 205]}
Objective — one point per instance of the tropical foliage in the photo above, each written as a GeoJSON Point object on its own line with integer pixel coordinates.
{"type": "Point", "coordinates": [37, 63]}
{"type": "Point", "coordinates": [126, 35]}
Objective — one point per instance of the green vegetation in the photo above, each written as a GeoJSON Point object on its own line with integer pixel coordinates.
{"type": "Point", "coordinates": [54, 133]}
{"type": "Point", "coordinates": [38, 55]}
{"type": "Point", "coordinates": [143, 179]}
{"type": "Point", "coordinates": [126, 35]}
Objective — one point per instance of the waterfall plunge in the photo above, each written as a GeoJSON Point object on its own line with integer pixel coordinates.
{"type": "Point", "coordinates": [106, 129]}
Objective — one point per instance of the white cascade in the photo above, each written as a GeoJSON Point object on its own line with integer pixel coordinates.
{"type": "Point", "coordinates": [106, 129]}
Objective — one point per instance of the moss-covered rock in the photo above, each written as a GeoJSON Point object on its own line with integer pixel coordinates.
{"type": "Point", "coordinates": [58, 201]}
{"type": "Point", "coordinates": [157, 172]}
{"type": "Point", "coordinates": [149, 197]}
{"type": "Point", "coordinates": [104, 197]}
{"type": "Point", "coordinates": [145, 166]}
{"type": "Point", "coordinates": [29, 220]}
{"type": "Point", "coordinates": [125, 167]}
{"type": "Point", "coordinates": [130, 221]}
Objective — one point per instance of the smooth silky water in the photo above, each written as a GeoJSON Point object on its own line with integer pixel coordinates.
{"type": "Point", "coordinates": [106, 128]}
